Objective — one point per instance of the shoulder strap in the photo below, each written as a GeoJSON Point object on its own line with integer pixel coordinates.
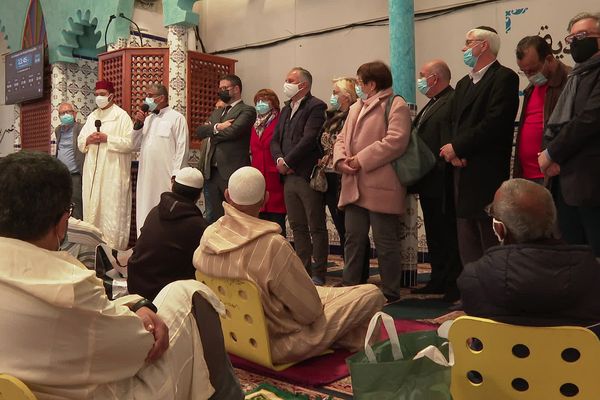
{"type": "Point", "coordinates": [388, 107]}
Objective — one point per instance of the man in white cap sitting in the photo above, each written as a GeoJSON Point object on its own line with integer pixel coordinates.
{"type": "Point", "coordinates": [303, 320]}
{"type": "Point", "coordinates": [163, 252]}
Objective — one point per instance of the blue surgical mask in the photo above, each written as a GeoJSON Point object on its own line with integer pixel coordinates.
{"type": "Point", "coordinates": [151, 104]}
{"type": "Point", "coordinates": [360, 93]}
{"type": "Point", "coordinates": [262, 107]}
{"type": "Point", "coordinates": [422, 85]}
{"type": "Point", "coordinates": [538, 79]}
{"type": "Point", "coordinates": [67, 119]}
{"type": "Point", "coordinates": [469, 59]}
{"type": "Point", "coordinates": [334, 101]}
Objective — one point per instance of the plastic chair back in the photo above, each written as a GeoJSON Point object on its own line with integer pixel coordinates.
{"type": "Point", "coordinates": [12, 388]}
{"type": "Point", "coordinates": [244, 324]}
{"type": "Point", "coordinates": [497, 361]}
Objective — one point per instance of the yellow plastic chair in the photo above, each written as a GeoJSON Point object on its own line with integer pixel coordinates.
{"type": "Point", "coordinates": [496, 361]}
{"type": "Point", "coordinates": [244, 324]}
{"type": "Point", "coordinates": [12, 388]}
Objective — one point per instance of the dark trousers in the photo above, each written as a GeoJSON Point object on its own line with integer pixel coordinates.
{"type": "Point", "coordinates": [386, 228]}
{"type": "Point", "coordinates": [214, 195]}
{"type": "Point", "coordinates": [475, 236]}
{"type": "Point", "coordinates": [278, 218]}
{"type": "Point", "coordinates": [221, 374]}
{"type": "Point", "coordinates": [332, 198]}
{"type": "Point", "coordinates": [578, 225]}
{"type": "Point", "coordinates": [442, 242]}
{"type": "Point", "coordinates": [76, 197]}
{"type": "Point", "coordinates": [306, 214]}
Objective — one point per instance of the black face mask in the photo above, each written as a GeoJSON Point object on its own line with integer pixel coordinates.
{"type": "Point", "coordinates": [583, 49]}
{"type": "Point", "coordinates": [224, 96]}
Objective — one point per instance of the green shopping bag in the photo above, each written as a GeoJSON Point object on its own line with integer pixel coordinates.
{"type": "Point", "coordinates": [412, 366]}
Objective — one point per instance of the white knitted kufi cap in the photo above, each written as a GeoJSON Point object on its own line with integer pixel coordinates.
{"type": "Point", "coordinates": [246, 186]}
{"type": "Point", "coordinates": [189, 176]}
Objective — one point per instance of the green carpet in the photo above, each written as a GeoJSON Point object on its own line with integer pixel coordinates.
{"type": "Point", "coordinates": [417, 309]}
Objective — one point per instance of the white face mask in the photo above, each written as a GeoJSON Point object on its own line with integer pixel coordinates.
{"type": "Point", "coordinates": [290, 89]}
{"type": "Point", "coordinates": [102, 101]}
{"type": "Point", "coordinates": [494, 222]}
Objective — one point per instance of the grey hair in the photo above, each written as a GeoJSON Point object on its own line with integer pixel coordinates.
{"type": "Point", "coordinates": [161, 90]}
{"type": "Point", "coordinates": [584, 15]}
{"type": "Point", "coordinates": [491, 37]}
{"type": "Point", "coordinates": [306, 76]}
{"type": "Point", "coordinates": [526, 209]}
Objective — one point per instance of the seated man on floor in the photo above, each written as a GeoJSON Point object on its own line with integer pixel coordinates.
{"type": "Point", "coordinates": [531, 278]}
{"type": "Point", "coordinates": [172, 230]}
{"type": "Point", "coordinates": [81, 241]}
{"type": "Point", "coordinates": [60, 334]}
{"type": "Point", "coordinates": [303, 320]}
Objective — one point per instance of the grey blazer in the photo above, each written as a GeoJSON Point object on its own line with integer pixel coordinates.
{"type": "Point", "coordinates": [79, 156]}
{"type": "Point", "coordinates": [230, 148]}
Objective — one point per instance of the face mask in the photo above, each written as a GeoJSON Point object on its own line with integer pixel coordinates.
{"type": "Point", "coordinates": [67, 119]}
{"type": "Point", "coordinates": [102, 101]}
{"type": "Point", "coordinates": [494, 222]}
{"type": "Point", "coordinates": [151, 104]}
{"type": "Point", "coordinates": [538, 79]}
{"type": "Point", "coordinates": [422, 85]}
{"type": "Point", "coordinates": [225, 96]}
{"type": "Point", "coordinates": [583, 49]}
{"type": "Point", "coordinates": [359, 92]}
{"type": "Point", "coordinates": [334, 101]}
{"type": "Point", "coordinates": [262, 107]}
{"type": "Point", "coordinates": [290, 89]}
{"type": "Point", "coordinates": [468, 57]}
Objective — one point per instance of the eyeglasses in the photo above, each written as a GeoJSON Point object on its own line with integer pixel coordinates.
{"type": "Point", "coordinates": [469, 42]}
{"type": "Point", "coordinates": [489, 210]}
{"type": "Point", "coordinates": [66, 112]}
{"type": "Point", "coordinates": [580, 36]}
{"type": "Point", "coordinates": [224, 88]}
{"type": "Point", "coordinates": [529, 72]}
{"type": "Point", "coordinates": [70, 209]}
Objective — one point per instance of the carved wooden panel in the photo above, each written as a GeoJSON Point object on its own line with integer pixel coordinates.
{"type": "Point", "coordinates": [36, 123]}
{"type": "Point", "coordinates": [131, 70]}
{"type": "Point", "coordinates": [203, 74]}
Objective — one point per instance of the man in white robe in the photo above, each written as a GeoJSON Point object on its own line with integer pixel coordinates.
{"type": "Point", "coordinates": [161, 137]}
{"type": "Point", "coordinates": [65, 339]}
{"type": "Point", "coordinates": [303, 320]}
{"type": "Point", "coordinates": [107, 168]}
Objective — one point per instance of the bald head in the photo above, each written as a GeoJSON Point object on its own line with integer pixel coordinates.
{"type": "Point", "coordinates": [526, 209]}
{"type": "Point", "coordinates": [438, 76]}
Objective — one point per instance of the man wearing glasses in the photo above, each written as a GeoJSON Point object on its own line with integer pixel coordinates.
{"type": "Point", "coordinates": [68, 153]}
{"type": "Point", "coordinates": [573, 130]}
{"type": "Point", "coordinates": [547, 77]}
{"type": "Point", "coordinates": [228, 147]}
{"type": "Point", "coordinates": [483, 113]}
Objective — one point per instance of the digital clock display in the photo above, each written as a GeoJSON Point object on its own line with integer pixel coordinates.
{"type": "Point", "coordinates": [24, 61]}
{"type": "Point", "coordinates": [24, 75]}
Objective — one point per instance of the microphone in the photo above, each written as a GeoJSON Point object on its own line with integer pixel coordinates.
{"type": "Point", "coordinates": [140, 124]}
{"type": "Point", "coordinates": [136, 25]}
{"type": "Point", "coordinates": [98, 124]}
{"type": "Point", "coordinates": [110, 20]}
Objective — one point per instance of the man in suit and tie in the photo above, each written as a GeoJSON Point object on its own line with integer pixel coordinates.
{"type": "Point", "coordinates": [295, 151]}
{"type": "Point", "coordinates": [483, 115]}
{"type": "Point", "coordinates": [68, 153]}
{"type": "Point", "coordinates": [228, 146]}
{"type": "Point", "coordinates": [435, 189]}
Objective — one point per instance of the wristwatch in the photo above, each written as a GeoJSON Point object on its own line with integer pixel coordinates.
{"type": "Point", "coordinates": [144, 303]}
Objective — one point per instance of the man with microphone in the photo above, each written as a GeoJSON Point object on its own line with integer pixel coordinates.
{"type": "Point", "coordinates": [161, 137]}
{"type": "Point", "coordinates": [106, 141]}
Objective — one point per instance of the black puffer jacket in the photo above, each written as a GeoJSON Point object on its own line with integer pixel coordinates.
{"type": "Point", "coordinates": [163, 252]}
{"type": "Point", "coordinates": [539, 284]}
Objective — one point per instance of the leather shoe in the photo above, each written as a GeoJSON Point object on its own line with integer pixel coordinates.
{"type": "Point", "coordinates": [391, 298]}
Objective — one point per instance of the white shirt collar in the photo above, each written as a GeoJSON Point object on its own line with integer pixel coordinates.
{"type": "Point", "coordinates": [477, 76]}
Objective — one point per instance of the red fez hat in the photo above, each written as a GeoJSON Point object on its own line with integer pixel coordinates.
{"type": "Point", "coordinates": [106, 85]}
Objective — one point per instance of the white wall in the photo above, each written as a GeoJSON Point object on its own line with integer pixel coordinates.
{"type": "Point", "coordinates": [234, 23]}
